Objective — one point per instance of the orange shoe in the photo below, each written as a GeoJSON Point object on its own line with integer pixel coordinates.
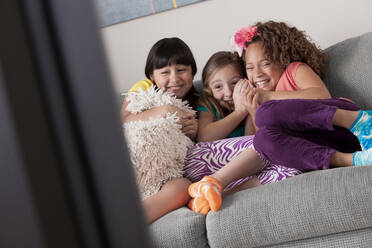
{"type": "Point", "coordinates": [199, 205]}
{"type": "Point", "coordinates": [209, 188]}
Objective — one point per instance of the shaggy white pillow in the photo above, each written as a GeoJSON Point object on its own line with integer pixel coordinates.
{"type": "Point", "coordinates": [157, 147]}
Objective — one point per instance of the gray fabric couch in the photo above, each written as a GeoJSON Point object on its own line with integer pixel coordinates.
{"type": "Point", "coordinates": [330, 208]}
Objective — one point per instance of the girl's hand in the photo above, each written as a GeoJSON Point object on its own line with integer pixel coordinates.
{"type": "Point", "coordinates": [251, 84]}
{"type": "Point", "coordinates": [189, 125]}
{"type": "Point", "coordinates": [262, 95]}
{"type": "Point", "coordinates": [240, 91]}
{"type": "Point", "coordinates": [252, 101]}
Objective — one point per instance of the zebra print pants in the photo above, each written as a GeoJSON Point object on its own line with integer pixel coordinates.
{"type": "Point", "coordinates": [205, 158]}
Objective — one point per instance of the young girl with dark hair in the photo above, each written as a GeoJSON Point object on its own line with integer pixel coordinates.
{"type": "Point", "coordinates": [170, 66]}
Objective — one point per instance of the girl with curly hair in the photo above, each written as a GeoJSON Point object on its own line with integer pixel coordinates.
{"type": "Point", "coordinates": [298, 124]}
{"type": "Point", "coordinates": [222, 115]}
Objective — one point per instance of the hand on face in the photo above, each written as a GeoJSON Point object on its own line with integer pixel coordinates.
{"type": "Point", "coordinates": [241, 89]}
{"type": "Point", "coordinates": [251, 100]}
{"type": "Point", "coordinates": [262, 93]}
{"type": "Point", "coordinates": [247, 96]}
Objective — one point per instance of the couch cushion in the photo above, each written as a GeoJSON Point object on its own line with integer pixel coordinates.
{"type": "Point", "coordinates": [180, 228]}
{"type": "Point", "coordinates": [305, 206]}
{"type": "Point", "coordinates": [361, 238]}
{"type": "Point", "coordinates": [198, 85]}
{"type": "Point", "coordinates": [349, 70]}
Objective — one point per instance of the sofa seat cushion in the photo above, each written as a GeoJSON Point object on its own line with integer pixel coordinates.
{"type": "Point", "coordinates": [181, 228]}
{"type": "Point", "coordinates": [309, 205]}
{"type": "Point", "coordinates": [360, 238]}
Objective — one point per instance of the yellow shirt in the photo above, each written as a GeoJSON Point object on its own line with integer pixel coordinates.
{"type": "Point", "coordinates": [144, 84]}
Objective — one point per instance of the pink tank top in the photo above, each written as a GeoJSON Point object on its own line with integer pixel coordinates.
{"type": "Point", "coordinates": [287, 81]}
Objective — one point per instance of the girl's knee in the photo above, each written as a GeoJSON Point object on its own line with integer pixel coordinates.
{"type": "Point", "coordinates": [267, 113]}
{"type": "Point", "coordinates": [265, 140]}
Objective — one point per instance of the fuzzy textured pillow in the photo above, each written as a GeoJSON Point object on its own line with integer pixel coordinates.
{"type": "Point", "coordinates": [157, 147]}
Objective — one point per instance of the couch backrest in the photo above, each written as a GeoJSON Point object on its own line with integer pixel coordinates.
{"type": "Point", "coordinates": [349, 70]}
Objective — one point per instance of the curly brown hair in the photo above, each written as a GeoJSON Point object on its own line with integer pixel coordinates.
{"type": "Point", "coordinates": [284, 44]}
{"type": "Point", "coordinates": [217, 61]}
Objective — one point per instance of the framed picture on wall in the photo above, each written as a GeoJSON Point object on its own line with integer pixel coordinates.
{"type": "Point", "coordinates": [116, 11]}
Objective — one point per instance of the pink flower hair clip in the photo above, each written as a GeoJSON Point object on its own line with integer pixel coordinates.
{"type": "Point", "coordinates": [241, 37]}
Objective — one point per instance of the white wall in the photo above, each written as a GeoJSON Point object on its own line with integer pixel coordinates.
{"type": "Point", "coordinates": [207, 27]}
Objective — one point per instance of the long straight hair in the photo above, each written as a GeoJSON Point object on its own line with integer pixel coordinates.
{"type": "Point", "coordinates": [216, 62]}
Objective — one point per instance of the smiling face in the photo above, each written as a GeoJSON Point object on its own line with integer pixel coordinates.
{"type": "Point", "coordinates": [176, 78]}
{"type": "Point", "coordinates": [222, 83]}
{"type": "Point", "coordinates": [261, 71]}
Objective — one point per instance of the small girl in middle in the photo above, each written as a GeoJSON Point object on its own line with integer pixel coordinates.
{"type": "Point", "coordinates": [221, 109]}
{"type": "Point", "coordinates": [222, 113]}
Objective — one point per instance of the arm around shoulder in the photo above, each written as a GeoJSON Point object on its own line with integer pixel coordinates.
{"type": "Point", "coordinates": [307, 79]}
{"type": "Point", "coordinates": [309, 83]}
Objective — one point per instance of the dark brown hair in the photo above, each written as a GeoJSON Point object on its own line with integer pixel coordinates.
{"type": "Point", "coordinates": [169, 51]}
{"type": "Point", "coordinates": [284, 44]}
{"type": "Point", "coordinates": [216, 62]}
